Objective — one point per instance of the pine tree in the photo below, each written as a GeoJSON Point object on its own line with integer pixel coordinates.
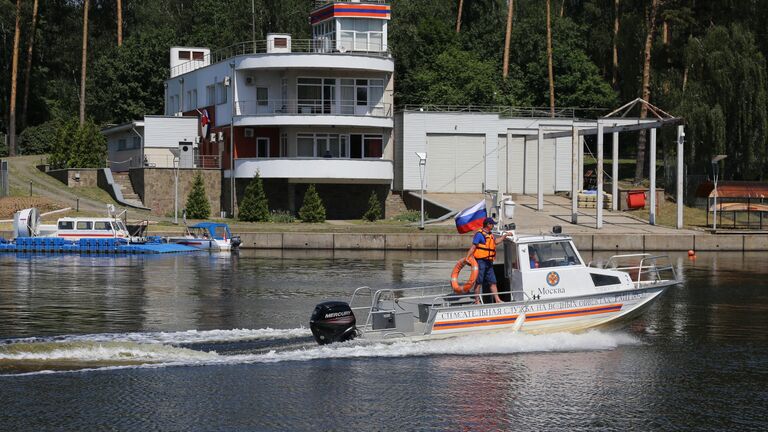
{"type": "Point", "coordinates": [313, 209]}
{"type": "Point", "coordinates": [198, 206]}
{"type": "Point", "coordinates": [254, 207]}
{"type": "Point", "coordinates": [374, 208]}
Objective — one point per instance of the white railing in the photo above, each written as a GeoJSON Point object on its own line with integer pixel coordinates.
{"type": "Point", "coordinates": [311, 107]}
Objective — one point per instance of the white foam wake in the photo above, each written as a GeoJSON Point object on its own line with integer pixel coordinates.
{"type": "Point", "coordinates": [181, 337]}
{"type": "Point", "coordinates": [105, 353]}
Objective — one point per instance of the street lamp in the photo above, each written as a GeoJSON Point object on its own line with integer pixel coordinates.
{"type": "Point", "coordinates": [175, 152]}
{"type": "Point", "coordinates": [422, 168]}
{"type": "Point", "coordinates": [715, 174]}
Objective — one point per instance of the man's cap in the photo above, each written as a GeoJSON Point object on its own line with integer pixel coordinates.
{"type": "Point", "coordinates": [489, 221]}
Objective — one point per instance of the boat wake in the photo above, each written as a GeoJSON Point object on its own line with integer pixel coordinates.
{"type": "Point", "coordinates": [150, 350]}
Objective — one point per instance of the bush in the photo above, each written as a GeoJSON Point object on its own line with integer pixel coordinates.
{"type": "Point", "coordinates": [281, 216]}
{"type": "Point", "coordinates": [313, 209]}
{"type": "Point", "coordinates": [39, 139]}
{"type": "Point", "coordinates": [78, 146]}
{"type": "Point", "coordinates": [255, 207]}
{"type": "Point", "coordinates": [198, 206]}
{"type": "Point", "coordinates": [374, 208]}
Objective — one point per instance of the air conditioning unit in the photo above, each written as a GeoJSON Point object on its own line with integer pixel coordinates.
{"type": "Point", "coordinates": [227, 81]}
{"type": "Point", "coordinates": [213, 137]}
{"type": "Point", "coordinates": [249, 80]}
{"type": "Point", "coordinates": [221, 136]}
{"type": "Point", "coordinates": [197, 140]}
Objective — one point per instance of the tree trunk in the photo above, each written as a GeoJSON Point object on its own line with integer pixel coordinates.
{"type": "Point", "coordinates": [14, 78]}
{"type": "Point", "coordinates": [458, 16]}
{"type": "Point", "coordinates": [119, 22]}
{"type": "Point", "coordinates": [562, 9]}
{"type": "Point", "coordinates": [640, 161]}
{"type": "Point", "coordinates": [84, 62]}
{"type": "Point", "coordinates": [508, 36]}
{"type": "Point", "coordinates": [549, 62]}
{"type": "Point", "coordinates": [28, 69]}
{"type": "Point", "coordinates": [615, 77]}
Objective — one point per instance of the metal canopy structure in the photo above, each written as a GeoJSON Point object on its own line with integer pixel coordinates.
{"type": "Point", "coordinates": [616, 122]}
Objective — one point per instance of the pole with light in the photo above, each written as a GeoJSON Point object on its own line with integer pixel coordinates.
{"type": "Point", "coordinates": [175, 152]}
{"type": "Point", "coordinates": [232, 144]}
{"type": "Point", "coordinates": [422, 167]}
{"type": "Point", "coordinates": [715, 174]}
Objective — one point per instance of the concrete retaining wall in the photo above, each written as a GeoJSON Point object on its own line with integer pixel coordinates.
{"type": "Point", "coordinates": [155, 187]}
{"type": "Point", "coordinates": [74, 177]}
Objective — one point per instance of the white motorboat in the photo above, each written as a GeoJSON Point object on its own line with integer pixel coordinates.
{"type": "Point", "coordinates": [208, 235]}
{"type": "Point", "coordinates": [546, 285]}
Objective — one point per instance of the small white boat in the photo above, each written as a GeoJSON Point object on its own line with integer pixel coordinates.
{"type": "Point", "coordinates": [208, 235]}
{"type": "Point", "coordinates": [27, 224]}
{"type": "Point", "coordinates": [546, 286]}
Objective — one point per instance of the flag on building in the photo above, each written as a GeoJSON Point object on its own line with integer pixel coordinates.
{"type": "Point", "coordinates": [471, 219]}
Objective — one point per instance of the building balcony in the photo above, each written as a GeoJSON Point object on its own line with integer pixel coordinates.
{"type": "Point", "coordinates": [317, 170]}
{"type": "Point", "coordinates": [312, 112]}
{"type": "Point", "coordinates": [355, 54]}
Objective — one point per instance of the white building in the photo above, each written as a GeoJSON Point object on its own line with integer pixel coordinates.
{"type": "Point", "coordinates": [148, 143]}
{"type": "Point", "coordinates": [298, 112]}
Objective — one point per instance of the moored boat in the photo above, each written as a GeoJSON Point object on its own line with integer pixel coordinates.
{"type": "Point", "coordinates": [208, 235]}
{"type": "Point", "coordinates": [545, 284]}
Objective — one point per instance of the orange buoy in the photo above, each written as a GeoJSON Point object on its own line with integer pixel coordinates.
{"type": "Point", "coordinates": [691, 253]}
{"type": "Point", "coordinates": [467, 287]}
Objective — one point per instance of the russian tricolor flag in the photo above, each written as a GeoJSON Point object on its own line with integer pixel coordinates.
{"type": "Point", "coordinates": [471, 219]}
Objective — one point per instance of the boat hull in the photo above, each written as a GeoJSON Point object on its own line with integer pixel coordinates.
{"type": "Point", "coordinates": [209, 244]}
{"type": "Point", "coordinates": [560, 315]}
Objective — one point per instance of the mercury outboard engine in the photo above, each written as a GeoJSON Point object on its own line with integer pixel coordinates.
{"type": "Point", "coordinates": [333, 321]}
{"type": "Point", "coordinates": [235, 241]}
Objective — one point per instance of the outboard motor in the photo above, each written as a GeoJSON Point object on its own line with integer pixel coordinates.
{"type": "Point", "coordinates": [235, 241]}
{"type": "Point", "coordinates": [333, 321]}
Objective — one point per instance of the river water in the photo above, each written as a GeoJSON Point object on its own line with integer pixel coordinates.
{"type": "Point", "coordinates": [220, 342]}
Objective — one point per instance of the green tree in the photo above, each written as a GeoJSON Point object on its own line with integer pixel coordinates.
{"type": "Point", "coordinates": [313, 209]}
{"type": "Point", "coordinates": [39, 139]}
{"type": "Point", "coordinates": [198, 206]}
{"type": "Point", "coordinates": [78, 146]}
{"type": "Point", "coordinates": [254, 207]}
{"type": "Point", "coordinates": [374, 208]}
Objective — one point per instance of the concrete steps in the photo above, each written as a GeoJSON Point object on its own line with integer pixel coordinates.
{"type": "Point", "coordinates": [130, 196]}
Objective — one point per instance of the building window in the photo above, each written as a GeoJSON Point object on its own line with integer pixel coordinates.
{"type": "Point", "coordinates": [316, 95]}
{"type": "Point", "coordinates": [183, 55]}
{"type": "Point", "coordinates": [198, 55]}
{"type": "Point", "coordinates": [136, 142]}
{"type": "Point", "coordinates": [193, 99]}
{"type": "Point", "coordinates": [210, 92]}
{"type": "Point", "coordinates": [365, 146]}
{"type": "Point", "coordinates": [359, 34]}
{"type": "Point", "coordinates": [262, 96]}
{"type": "Point", "coordinates": [305, 145]}
{"type": "Point", "coordinates": [322, 145]}
{"type": "Point", "coordinates": [248, 132]}
{"type": "Point", "coordinates": [283, 144]}
{"type": "Point", "coordinates": [262, 147]}
{"type": "Point", "coordinates": [221, 93]}
{"type": "Point", "coordinates": [121, 144]}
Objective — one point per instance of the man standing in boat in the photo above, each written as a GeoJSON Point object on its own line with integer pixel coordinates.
{"type": "Point", "coordinates": [484, 250]}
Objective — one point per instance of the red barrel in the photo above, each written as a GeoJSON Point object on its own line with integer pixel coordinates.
{"type": "Point", "coordinates": [635, 199]}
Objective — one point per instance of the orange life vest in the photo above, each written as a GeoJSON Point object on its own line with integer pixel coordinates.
{"type": "Point", "coordinates": [487, 250]}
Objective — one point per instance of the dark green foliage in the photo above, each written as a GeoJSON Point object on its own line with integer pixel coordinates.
{"type": "Point", "coordinates": [78, 147]}
{"type": "Point", "coordinates": [313, 209]}
{"type": "Point", "coordinates": [374, 208]}
{"type": "Point", "coordinates": [281, 216]}
{"type": "Point", "coordinates": [255, 207]}
{"type": "Point", "coordinates": [39, 139]}
{"type": "Point", "coordinates": [198, 206]}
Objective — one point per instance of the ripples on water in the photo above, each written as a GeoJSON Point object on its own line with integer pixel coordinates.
{"type": "Point", "coordinates": [217, 342]}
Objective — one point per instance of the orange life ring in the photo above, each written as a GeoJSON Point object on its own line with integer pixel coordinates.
{"type": "Point", "coordinates": [467, 287]}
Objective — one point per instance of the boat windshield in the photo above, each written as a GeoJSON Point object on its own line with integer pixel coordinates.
{"type": "Point", "coordinates": [553, 254]}
{"type": "Point", "coordinates": [221, 232]}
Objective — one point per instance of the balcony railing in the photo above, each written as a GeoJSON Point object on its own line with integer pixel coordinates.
{"type": "Point", "coordinates": [310, 46]}
{"type": "Point", "coordinates": [312, 107]}
{"type": "Point", "coordinates": [510, 111]}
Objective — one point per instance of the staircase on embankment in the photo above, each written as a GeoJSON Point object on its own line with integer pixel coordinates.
{"type": "Point", "coordinates": [123, 180]}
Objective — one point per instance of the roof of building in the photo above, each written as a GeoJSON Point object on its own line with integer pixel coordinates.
{"type": "Point", "coordinates": [733, 189]}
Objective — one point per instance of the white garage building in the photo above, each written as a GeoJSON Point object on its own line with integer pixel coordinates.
{"type": "Point", "coordinates": [472, 152]}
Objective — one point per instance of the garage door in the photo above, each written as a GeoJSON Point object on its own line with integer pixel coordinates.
{"type": "Point", "coordinates": [455, 163]}
{"type": "Point", "coordinates": [548, 165]}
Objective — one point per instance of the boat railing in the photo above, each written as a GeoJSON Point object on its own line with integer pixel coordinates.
{"type": "Point", "coordinates": [648, 271]}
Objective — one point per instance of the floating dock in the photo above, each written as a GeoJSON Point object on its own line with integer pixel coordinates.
{"type": "Point", "coordinates": [90, 246]}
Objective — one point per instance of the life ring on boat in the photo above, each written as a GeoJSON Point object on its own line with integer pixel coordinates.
{"type": "Point", "coordinates": [467, 287]}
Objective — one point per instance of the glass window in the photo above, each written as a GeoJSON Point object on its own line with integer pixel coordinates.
{"type": "Point", "coordinates": [356, 146]}
{"type": "Point", "coordinates": [283, 144]}
{"type": "Point", "coordinates": [305, 146]}
{"type": "Point", "coordinates": [552, 254]}
{"type": "Point", "coordinates": [211, 94]}
{"type": "Point", "coordinates": [372, 146]}
{"type": "Point", "coordinates": [221, 93]}
{"type": "Point", "coordinates": [136, 142]}
{"type": "Point", "coordinates": [198, 55]}
{"type": "Point", "coordinates": [262, 147]}
{"type": "Point", "coordinates": [66, 225]}
{"type": "Point", "coordinates": [262, 96]}
{"type": "Point", "coordinates": [183, 55]}
{"type": "Point", "coordinates": [102, 226]}
{"type": "Point", "coordinates": [121, 144]}
{"type": "Point", "coordinates": [84, 225]}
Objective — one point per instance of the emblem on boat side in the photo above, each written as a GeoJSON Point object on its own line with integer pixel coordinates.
{"type": "Point", "coordinates": [553, 278]}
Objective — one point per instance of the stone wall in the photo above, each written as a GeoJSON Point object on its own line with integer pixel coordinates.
{"type": "Point", "coordinates": [155, 186]}
{"type": "Point", "coordinates": [88, 176]}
